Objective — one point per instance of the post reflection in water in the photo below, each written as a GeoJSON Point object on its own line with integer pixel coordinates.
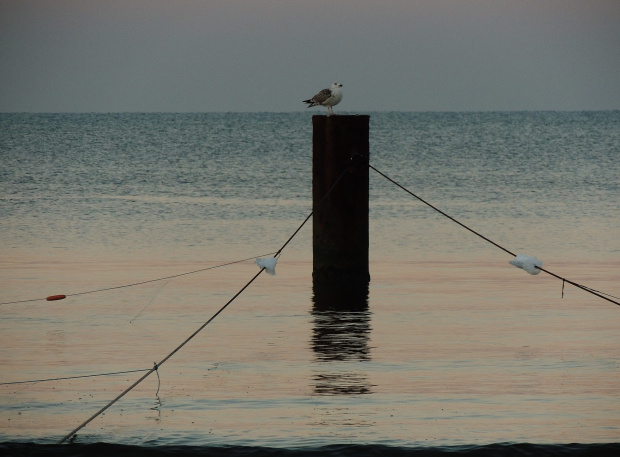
{"type": "Point", "coordinates": [340, 338]}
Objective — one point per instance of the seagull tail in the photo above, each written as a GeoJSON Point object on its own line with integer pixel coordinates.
{"type": "Point", "coordinates": [310, 103]}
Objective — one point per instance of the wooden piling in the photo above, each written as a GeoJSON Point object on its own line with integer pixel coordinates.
{"type": "Point", "coordinates": [340, 220]}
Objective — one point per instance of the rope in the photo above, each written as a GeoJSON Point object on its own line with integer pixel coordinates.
{"type": "Point", "coordinates": [312, 212]}
{"type": "Point", "coordinates": [441, 212]}
{"type": "Point", "coordinates": [149, 303]}
{"type": "Point", "coordinates": [188, 339]}
{"type": "Point", "coordinates": [71, 377]}
{"type": "Point", "coordinates": [158, 378]}
{"type": "Point", "coordinates": [141, 282]}
{"type": "Point", "coordinates": [587, 289]}
{"type": "Point", "coordinates": [157, 365]}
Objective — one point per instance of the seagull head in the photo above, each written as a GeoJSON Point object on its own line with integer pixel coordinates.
{"type": "Point", "coordinates": [336, 85]}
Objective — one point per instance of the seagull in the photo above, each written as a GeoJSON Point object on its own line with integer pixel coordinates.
{"type": "Point", "coordinates": [327, 97]}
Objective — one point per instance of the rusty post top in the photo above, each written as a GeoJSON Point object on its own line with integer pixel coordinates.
{"type": "Point", "coordinates": [341, 115]}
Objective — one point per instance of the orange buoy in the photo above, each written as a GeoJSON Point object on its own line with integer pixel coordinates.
{"type": "Point", "coordinates": [55, 297]}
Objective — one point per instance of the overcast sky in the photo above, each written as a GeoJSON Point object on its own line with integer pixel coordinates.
{"type": "Point", "coordinates": [269, 55]}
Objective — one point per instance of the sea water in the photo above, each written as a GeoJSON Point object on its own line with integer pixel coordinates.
{"type": "Point", "coordinates": [453, 349]}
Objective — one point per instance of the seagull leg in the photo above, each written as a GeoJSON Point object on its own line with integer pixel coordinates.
{"type": "Point", "coordinates": [330, 111]}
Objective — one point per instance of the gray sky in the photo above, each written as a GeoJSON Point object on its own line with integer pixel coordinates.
{"type": "Point", "coordinates": [269, 55]}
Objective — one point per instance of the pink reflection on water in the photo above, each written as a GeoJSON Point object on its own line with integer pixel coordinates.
{"type": "Point", "coordinates": [446, 352]}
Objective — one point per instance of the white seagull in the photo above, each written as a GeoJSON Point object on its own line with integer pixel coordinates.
{"type": "Point", "coordinates": [327, 97]}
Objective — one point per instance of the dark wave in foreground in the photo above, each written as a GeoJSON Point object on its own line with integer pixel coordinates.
{"type": "Point", "coordinates": [119, 450]}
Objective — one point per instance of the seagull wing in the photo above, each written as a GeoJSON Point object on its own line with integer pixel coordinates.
{"type": "Point", "coordinates": [319, 98]}
{"type": "Point", "coordinates": [322, 96]}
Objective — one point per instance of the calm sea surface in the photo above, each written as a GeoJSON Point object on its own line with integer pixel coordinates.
{"type": "Point", "coordinates": [454, 349]}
